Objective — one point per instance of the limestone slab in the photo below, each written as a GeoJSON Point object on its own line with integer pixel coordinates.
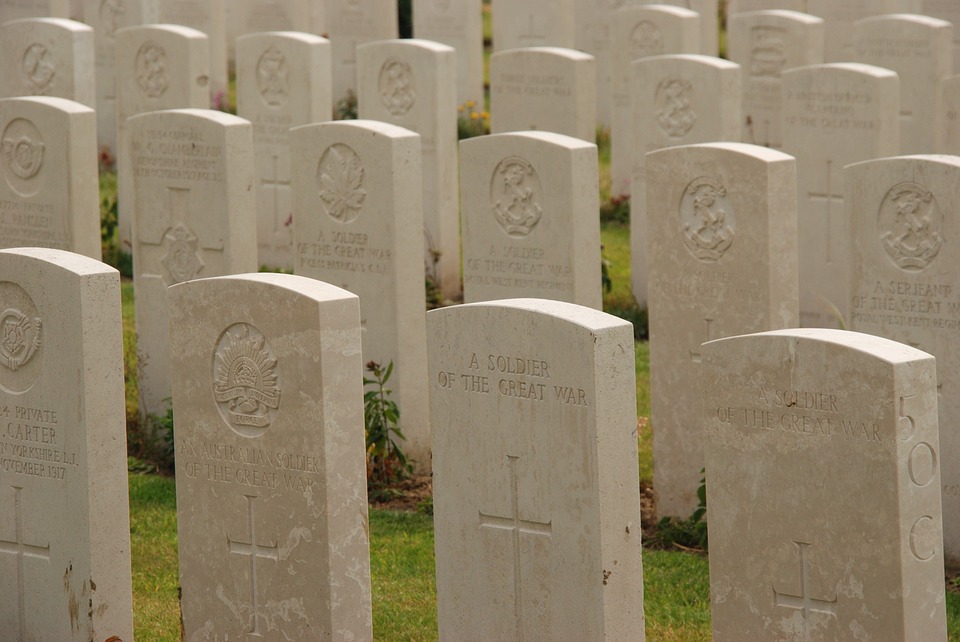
{"type": "Point", "coordinates": [527, 201]}
{"type": "Point", "coordinates": [536, 513]}
{"type": "Point", "coordinates": [458, 23]}
{"type": "Point", "coordinates": [675, 100]}
{"type": "Point", "coordinates": [195, 217]}
{"type": "Point", "coordinates": [358, 225]}
{"type": "Point", "coordinates": [790, 417]}
{"type": "Point", "coordinates": [708, 11]}
{"type": "Point", "coordinates": [950, 115]}
{"type": "Point", "coordinates": [906, 282]}
{"type": "Point", "coordinates": [158, 67]}
{"type": "Point", "coordinates": [833, 115]}
{"type": "Point", "coordinates": [49, 196]}
{"type": "Point", "coordinates": [271, 481]}
{"type": "Point", "coordinates": [764, 43]}
{"type": "Point", "coordinates": [17, 9]}
{"type": "Point", "coordinates": [64, 521]}
{"type": "Point", "coordinates": [351, 24]}
{"type": "Point", "coordinates": [283, 81]}
{"type": "Point", "coordinates": [254, 16]}
{"type": "Point", "coordinates": [920, 50]}
{"type": "Point", "coordinates": [722, 255]}
{"type": "Point", "coordinates": [742, 6]}
{"type": "Point", "coordinates": [544, 88]}
{"type": "Point", "coordinates": [949, 11]}
{"type": "Point", "coordinates": [839, 18]}
{"type": "Point", "coordinates": [640, 32]}
{"type": "Point", "coordinates": [534, 23]}
{"type": "Point", "coordinates": [51, 57]}
{"type": "Point", "coordinates": [412, 83]}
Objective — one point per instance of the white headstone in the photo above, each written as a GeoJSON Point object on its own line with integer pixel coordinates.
{"type": "Point", "coordinates": [833, 115]}
{"type": "Point", "coordinates": [920, 50]}
{"type": "Point", "coordinates": [791, 418]}
{"type": "Point", "coordinates": [254, 16]}
{"type": "Point", "coordinates": [839, 17]}
{"type": "Point", "coordinates": [106, 17]}
{"type": "Point", "coordinates": [283, 81]}
{"type": "Point", "coordinates": [536, 492]}
{"type": "Point", "coordinates": [357, 225]}
{"type": "Point", "coordinates": [709, 13]}
{"type": "Point", "coordinates": [675, 100]}
{"type": "Point", "coordinates": [592, 23]}
{"type": "Point", "coordinates": [195, 217]}
{"type": "Point", "coordinates": [906, 282]}
{"type": "Point", "coordinates": [722, 252]}
{"type": "Point", "coordinates": [948, 10]}
{"type": "Point", "coordinates": [532, 23]}
{"type": "Point", "coordinates": [210, 17]}
{"type": "Point", "coordinates": [158, 67]}
{"type": "Point", "coordinates": [764, 43]}
{"type": "Point", "coordinates": [49, 195]}
{"type": "Point", "coordinates": [351, 23]}
{"type": "Point", "coordinates": [528, 204]}
{"type": "Point", "coordinates": [544, 88]}
{"type": "Point", "coordinates": [17, 9]}
{"type": "Point", "coordinates": [271, 481]}
{"type": "Point", "coordinates": [640, 32]}
{"type": "Point", "coordinates": [412, 83]}
{"type": "Point", "coordinates": [950, 115]}
{"type": "Point", "coordinates": [65, 526]}
{"type": "Point", "coordinates": [48, 57]}
{"type": "Point", "coordinates": [458, 23]}
{"type": "Point", "coordinates": [742, 6]}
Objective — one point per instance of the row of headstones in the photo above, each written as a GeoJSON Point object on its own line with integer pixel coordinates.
{"type": "Point", "coordinates": [536, 488]}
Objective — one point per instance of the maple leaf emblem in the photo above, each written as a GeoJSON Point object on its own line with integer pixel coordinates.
{"type": "Point", "coordinates": [340, 175]}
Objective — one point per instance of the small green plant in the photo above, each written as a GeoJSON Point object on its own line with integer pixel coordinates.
{"type": "Point", "coordinates": [616, 210]}
{"type": "Point", "coordinates": [686, 534]}
{"type": "Point", "coordinates": [346, 108]}
{"type": "Point", "coordinates": [470, 122]}
{"type": "Point", "coordinates": [386, 461]}
{"type": "Point", "coordinates": [110, 249]}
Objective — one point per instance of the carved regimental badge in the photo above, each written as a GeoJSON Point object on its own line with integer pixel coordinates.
{"type": "Point", "coordinates": [181, 254]}
{"type": "Point", "coordinates": [768, 54]}
{"type": "Point", "coordinates": [20, 340]}
{"type": "Point", "coordinates": [246, 384]}
{"type": "Point", "coordinates": [707, 220]}
{"type": "Point", "coordinates": [646, 40]}
{"type": "Point", "coordinates": [272, 76]}
{"type": "Point", "coordinates": [515, 196]}
{"type": "Point", "coordinates": [151, 70]}
{"type": "Point", "coordinates": [675, 116]}
{"type": "Point", "coordinates": [37, 68]}
{"type": "Point", "coordinates": [340, 178]}
{"type": "Point", "coordinates": [397, 90]}
{"type": "Point", "coordinates": [22, 155]}
{"type": "Point", "coordinates": [910, 226]}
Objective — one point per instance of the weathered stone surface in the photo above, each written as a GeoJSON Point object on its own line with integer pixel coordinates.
{"type": "Point", "coordinates": [458, 23]}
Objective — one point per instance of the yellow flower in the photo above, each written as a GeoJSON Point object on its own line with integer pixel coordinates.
{"type": "Point", "coordinates": [485, 115]}
{"type": "Point", "coordinates": [460, 108]}
{"type": "Point", "coordinates": [470, 103]}
{"type": "Point", "coordinates": [474, 115]}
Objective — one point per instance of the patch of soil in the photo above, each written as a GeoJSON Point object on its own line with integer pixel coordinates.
{"type": "Point", "coordinates": [406, 495]}
{"type": "Point", "coordinates": [648, 520]}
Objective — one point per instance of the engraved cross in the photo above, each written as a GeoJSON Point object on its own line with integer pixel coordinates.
{"type": "Point", "coordinates": [21, 550]}
{"type": "Point", "coordinates": [534, 36]}
{"type": "Point", "coordinates": [275, 184]}
{"type": "Point", "coordinates": [253, 550]}
{"type": "Point", "coordinates": [695, 352]}
{"type": "Point", "coordinates": [803, 602]}
{"type": "Point", "coordinates": [517, 527]}
{"type": "Point", "coordinates": [178, 205]}
{"type": "Point", "coordinates": [829, 197]}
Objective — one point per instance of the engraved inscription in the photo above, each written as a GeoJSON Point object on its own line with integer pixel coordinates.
{"type": "Point", "coordinates": [707, 220]}
{"type": "Point", "coordinates": [182, 154]}
{"type": "Point", "coordinates": [20, 549]}
{"type": "Point", "coordinates": [516, 526]}
{"type": "Point", "coordinates": [515, 376]}
{"type": "Point", "coordinates": [515, 196]}
{"type": "Point", "coordinates": [253, 550]}
{"type": "Point", "coordinates": [23, 150]}
{"type": "Point", "coordinates": [830, 110]}
{"type": "Point", "coordinates": [908, 304]}
{"type": "Point", "coordinates": [38, 68]}
{"type": "Point", "coordinates": [30, 443]}
{"type": "Point", "coordinates": [923, 538]}
{"type": "Point", "coordinates": [768, 52]}
{"type": "Point", "coordinates": [803, 601]}
{"type": "Point", "coordinates": [248, 466]}
{"type": "Point", "coordinates": [397, 89]}
{"type": "Point", "coordinates": [646, 39]}
{"type": "Point", "coordinates": [345, 252]}
{"type": "Point", "coordinates": [272, 77]}
{"type": "Point", "coordinates": [922, 464]}
{"type": "Point", "coordinates": [246, 383]}
{"type": "Point", "coordinates": [909, 223]}
{"type": "Point", "coordinates": [151, 70]}
{"type": "Point", "coordinates": [675, 116]}
{"type": "Point", "coordinates": [340, 176]}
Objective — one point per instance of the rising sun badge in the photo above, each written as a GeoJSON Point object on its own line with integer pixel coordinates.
{"type": "Point", "coordinates": [246, 384]}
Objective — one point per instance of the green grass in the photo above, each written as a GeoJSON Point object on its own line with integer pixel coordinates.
{"type": "Point", "coordinates": [153, 547]}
